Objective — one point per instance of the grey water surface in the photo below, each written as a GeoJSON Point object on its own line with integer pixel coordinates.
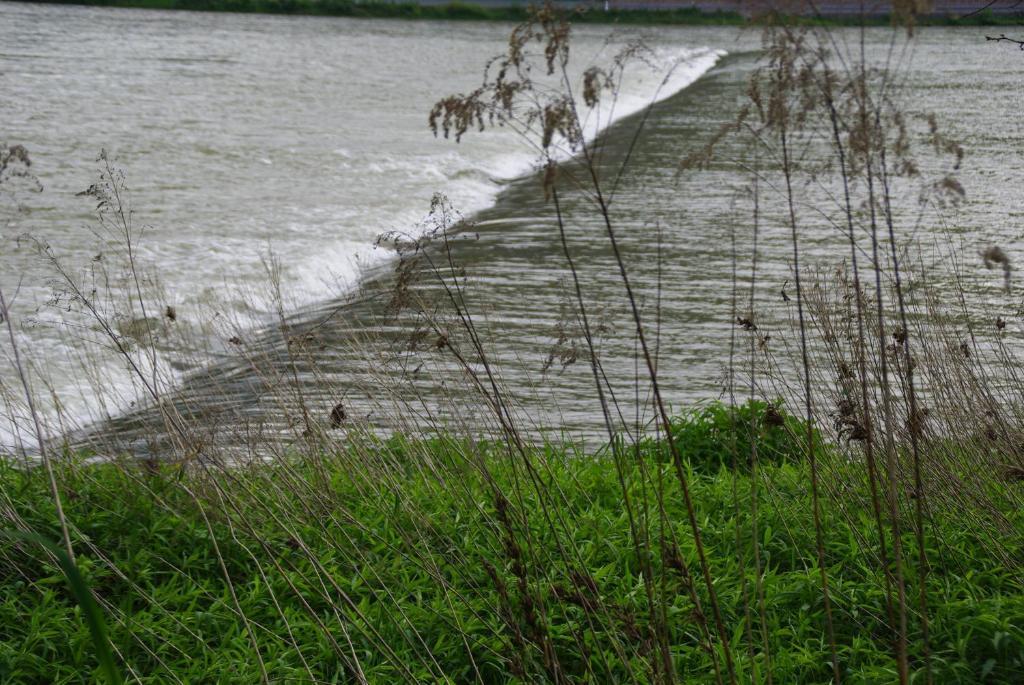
{"type": "Point", "coordinates": [254, 141]}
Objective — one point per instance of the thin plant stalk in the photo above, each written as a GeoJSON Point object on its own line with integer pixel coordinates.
{"type": "Point", "coordinates": [40, 436]}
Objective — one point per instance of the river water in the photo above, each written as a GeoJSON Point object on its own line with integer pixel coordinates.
{"type": "Point", "coordinates": [259, 150]}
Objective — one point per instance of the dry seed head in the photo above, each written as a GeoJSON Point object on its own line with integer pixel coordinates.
{"type": "Point", "coordinates": [993, 256]}
{"type": "Point", "coordinates": [595, 79]}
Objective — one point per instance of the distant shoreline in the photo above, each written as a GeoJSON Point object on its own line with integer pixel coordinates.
{"type": "Point", "coordinates": [494, 12]}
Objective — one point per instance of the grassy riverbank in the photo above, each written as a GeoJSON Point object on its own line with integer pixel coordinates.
{"type": "Point", "coordinates": [412, 10]}
{"type": "Point", "coordinates": [418, 561]}
{"type": "Point", "coordinates": [470, 11]}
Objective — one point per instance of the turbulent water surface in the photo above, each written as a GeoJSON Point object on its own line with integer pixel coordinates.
{"type": "Point", "coordinates": [260, 150]}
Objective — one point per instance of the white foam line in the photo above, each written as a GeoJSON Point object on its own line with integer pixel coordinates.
{"type": "Point", "coordinates": [643, 87]}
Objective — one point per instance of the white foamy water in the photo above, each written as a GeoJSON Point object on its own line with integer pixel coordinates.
{"type": "Point", "coordinates": [244, 136]}
{"type": "Point", "coordinates": [472, 173]}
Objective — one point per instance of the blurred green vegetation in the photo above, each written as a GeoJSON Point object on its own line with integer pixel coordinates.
{"type": "Point", "coordinates": [470, 11]}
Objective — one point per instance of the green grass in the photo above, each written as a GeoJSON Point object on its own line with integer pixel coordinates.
{"type": "Point", "coordinates": [469, 11]}
{"type": "Point", "coordinates": [379, 547]}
